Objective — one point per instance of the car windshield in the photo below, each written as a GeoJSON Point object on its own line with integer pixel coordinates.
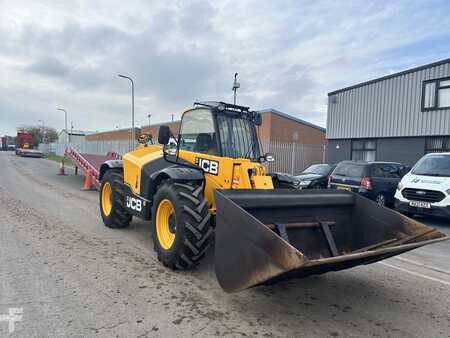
{"type": "Point", "coordinates": [349, 169]}
{"type": "Point", "coordinates": [434, 165]}
{"type": "Point", "coordinates": [237, 136]}
{"type": "Point", "coordinates": [319, 169]}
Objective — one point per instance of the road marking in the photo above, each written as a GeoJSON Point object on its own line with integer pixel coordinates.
{"type": "Point", "coordinates": [416, 274]}
{"type": "Point", "coordinates": [430, 267]}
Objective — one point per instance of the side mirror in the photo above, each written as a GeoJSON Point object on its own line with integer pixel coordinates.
{"type": "Point", "coordinates": [144, 138]}
{"type": "Point", "coordinates": [164, 135]}
{"type": "Point", "coordinates": [258, 119]}
{"type": "Point", "coordinates": [268, 157]}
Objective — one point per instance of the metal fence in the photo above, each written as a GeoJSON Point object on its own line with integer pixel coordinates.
{"type": "Point", "coordinates": [290, 158]}
{"type": "Point", "coordinates": [89, 147]}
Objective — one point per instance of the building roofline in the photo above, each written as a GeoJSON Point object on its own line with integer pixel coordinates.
{"type": "Point", "coordinates": [160, 124]}
{"type": "Point", "coordinates": [114, 130]}
{"type": "Point", "coordinates": [390, 76]}
{"type": "Point", "coordinates": [290, 117]}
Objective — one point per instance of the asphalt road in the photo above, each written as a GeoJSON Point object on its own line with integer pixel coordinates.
{"type": "Point", "coordinates": [70, 275]}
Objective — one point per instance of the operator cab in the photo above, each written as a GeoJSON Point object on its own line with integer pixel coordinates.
{"type": "Point", "coordinates": [220, 129]}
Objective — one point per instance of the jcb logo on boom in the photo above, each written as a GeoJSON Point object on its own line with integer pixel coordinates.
{"type": "Point", "coordinates": [208, 166]}
{"type": "Point", "coordinates": [134, 203]}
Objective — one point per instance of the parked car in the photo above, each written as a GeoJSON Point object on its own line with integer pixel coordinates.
{"type": "Point", "coordinates": [374, 180]}
{"type": "Point", "coordinates": [313, 177]}
{"type": "Point", "coordinates": [426, 188]}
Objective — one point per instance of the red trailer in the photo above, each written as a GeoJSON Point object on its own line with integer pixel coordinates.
{"type": "Point", "coordinates": [4, 145]}
{"type": "Point", "coordinates": [24, 145]}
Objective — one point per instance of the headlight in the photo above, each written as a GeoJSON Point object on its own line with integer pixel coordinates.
{"type": "Point", "coordinates": [400, 186]}
{"type": "Point", "coordinates": [304, 183]}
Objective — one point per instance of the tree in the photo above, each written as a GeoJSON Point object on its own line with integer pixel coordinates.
{"type": "Point", "coordinates": [40, 134]}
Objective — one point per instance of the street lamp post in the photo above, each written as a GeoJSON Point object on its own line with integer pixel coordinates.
{"type": "Point", "coordinates": [43, 130]}
{"type": "Point", "coordinates": [65, 124]}
{"type": "Point", "coordinates": [132, 107]}
{"type": "Point", "coordinates": [236, 85]}
{"type": "Point", "coordinates": [149, 115]}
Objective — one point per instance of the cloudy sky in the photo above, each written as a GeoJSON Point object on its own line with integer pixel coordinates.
{"type": "Point", "coordinates": [289, 55]}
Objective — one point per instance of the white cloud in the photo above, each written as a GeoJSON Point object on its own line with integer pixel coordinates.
{"type": "Point", "coordinates": [289, 54]}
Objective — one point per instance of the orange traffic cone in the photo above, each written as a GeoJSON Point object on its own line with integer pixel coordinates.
{"type": "Point", "coordinates": [88, 181]}
{"type": "Point", "coordinates": [61, 168]}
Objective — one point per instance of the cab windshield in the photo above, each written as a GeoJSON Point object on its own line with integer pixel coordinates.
{"type": "Point", "coordinates": [237, 136]}
{"type": "Point", "coordinates": [434, 165]}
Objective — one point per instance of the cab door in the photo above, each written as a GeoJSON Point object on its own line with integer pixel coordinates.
{"type": "Point", "coordinates": [199, 146]}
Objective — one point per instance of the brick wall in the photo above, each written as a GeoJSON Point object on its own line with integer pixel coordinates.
{"type": "Point", "coordinates": [276, 128]}
{"type": "Point", "coordinates": [113, 135]}
{"type": "Point", "coordinates": [154, 129]}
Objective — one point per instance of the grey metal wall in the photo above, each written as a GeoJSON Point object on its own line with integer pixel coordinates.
{"type": "Point", "coordinates": [387, 108]}
{"type": "Point", "coordinates": [339, 150]}
{"type": "Point", "coordinates": [406, 150]}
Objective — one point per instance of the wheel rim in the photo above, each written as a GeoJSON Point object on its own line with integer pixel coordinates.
{"type": "Point", "coordinates": [164, 217]}
{"type": "Point", "coordinates": [380, 200]}
{"type": "Point", "coordinates": [106, 199]}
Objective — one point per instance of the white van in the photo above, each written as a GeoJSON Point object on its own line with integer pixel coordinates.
{"type": "Point", "coordinates": [426, 188]}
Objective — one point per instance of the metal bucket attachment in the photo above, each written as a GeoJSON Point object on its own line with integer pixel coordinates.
{"type": "Point", "coordinates": [263, 236]}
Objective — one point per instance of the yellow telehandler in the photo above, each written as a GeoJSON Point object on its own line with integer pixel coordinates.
{"type": "Point", "coordinates": [214, 183]}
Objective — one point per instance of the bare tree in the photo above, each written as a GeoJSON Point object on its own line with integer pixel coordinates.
{"type": "Point", "coordinates": [40, 134]}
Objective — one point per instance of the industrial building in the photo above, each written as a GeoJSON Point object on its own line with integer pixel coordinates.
{"type": "Point", "coordinates": [285, 128]}
{"type": "Point", "coordinates": [114, 135]}
{"type": "Point", "coordinates": [73, 135]}
{"type": "Point", "coordinates": [276, 127]}
{"type": "Point", "coordinates": [398, 117]}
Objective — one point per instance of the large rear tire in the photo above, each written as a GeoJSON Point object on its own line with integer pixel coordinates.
{"type": "Point", "coordinates": [181, 225]}
{"type": "Point", "coordinates": [112, 201]}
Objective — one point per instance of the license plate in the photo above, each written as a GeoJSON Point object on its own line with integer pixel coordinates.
{"type": "Point", "coordinates": [419, 204]}
{"type": "Point", "coordinates": [340, 187]}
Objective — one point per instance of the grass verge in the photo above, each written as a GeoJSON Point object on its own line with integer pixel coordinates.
{"type": "Point", "coordinates": [57, 158]}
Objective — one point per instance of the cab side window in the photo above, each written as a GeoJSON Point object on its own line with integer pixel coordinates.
{"type": "Point", "coordinates": [197, 133]}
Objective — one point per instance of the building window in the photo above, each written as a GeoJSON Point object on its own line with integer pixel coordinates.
{"type": "Point", "coordinates": [436, 94]}
{"type": "Point", "coordinates": [437, 144]}
{"type": "Point", "coordinates": [364, 150]}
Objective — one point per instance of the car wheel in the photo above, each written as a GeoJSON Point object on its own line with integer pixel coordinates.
{"type": "Point", "coordinates": [316, 186]}
{"type": "Point", "coordinates": [381, 200]}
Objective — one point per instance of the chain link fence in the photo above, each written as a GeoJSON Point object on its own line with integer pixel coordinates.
{"type": "Point", "coordinates": [290, 158]}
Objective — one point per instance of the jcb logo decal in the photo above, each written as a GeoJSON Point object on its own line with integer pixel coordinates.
{"type": "Point", "coordinates": [134, 203]}
{"type": "Point", "coordinates": [208, 166]}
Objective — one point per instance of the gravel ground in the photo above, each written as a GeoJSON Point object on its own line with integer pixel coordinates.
{"type": "Point", "coordinates": [74, 277]}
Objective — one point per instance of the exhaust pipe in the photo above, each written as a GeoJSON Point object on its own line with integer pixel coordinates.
{"type": "Point", "coordinates": [263, 236]}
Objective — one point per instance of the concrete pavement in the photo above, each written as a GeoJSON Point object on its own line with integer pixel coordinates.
{"type": "Point", "coordinates": [73, 276]}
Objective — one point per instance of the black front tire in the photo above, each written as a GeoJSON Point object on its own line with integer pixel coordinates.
{"type": "Point", "coordinates": [192, 223]}
{"type": "Point", "coordinates": [119, 217]}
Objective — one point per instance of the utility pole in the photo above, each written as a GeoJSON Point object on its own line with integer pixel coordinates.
{"type": "Point", "coordinates": [133, 137]}
{"type": "Point", "coordinates": [71, 131]}
{"type": "Point", "coordinates": [65, 124]}
{"type": "Point", "coordinates": [172, 117]}
{"type": "Point", "coordinates": [236, 85]}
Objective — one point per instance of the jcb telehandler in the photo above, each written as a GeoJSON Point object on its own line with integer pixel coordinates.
{"type": "Point", "coordinates": [214, 184]}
